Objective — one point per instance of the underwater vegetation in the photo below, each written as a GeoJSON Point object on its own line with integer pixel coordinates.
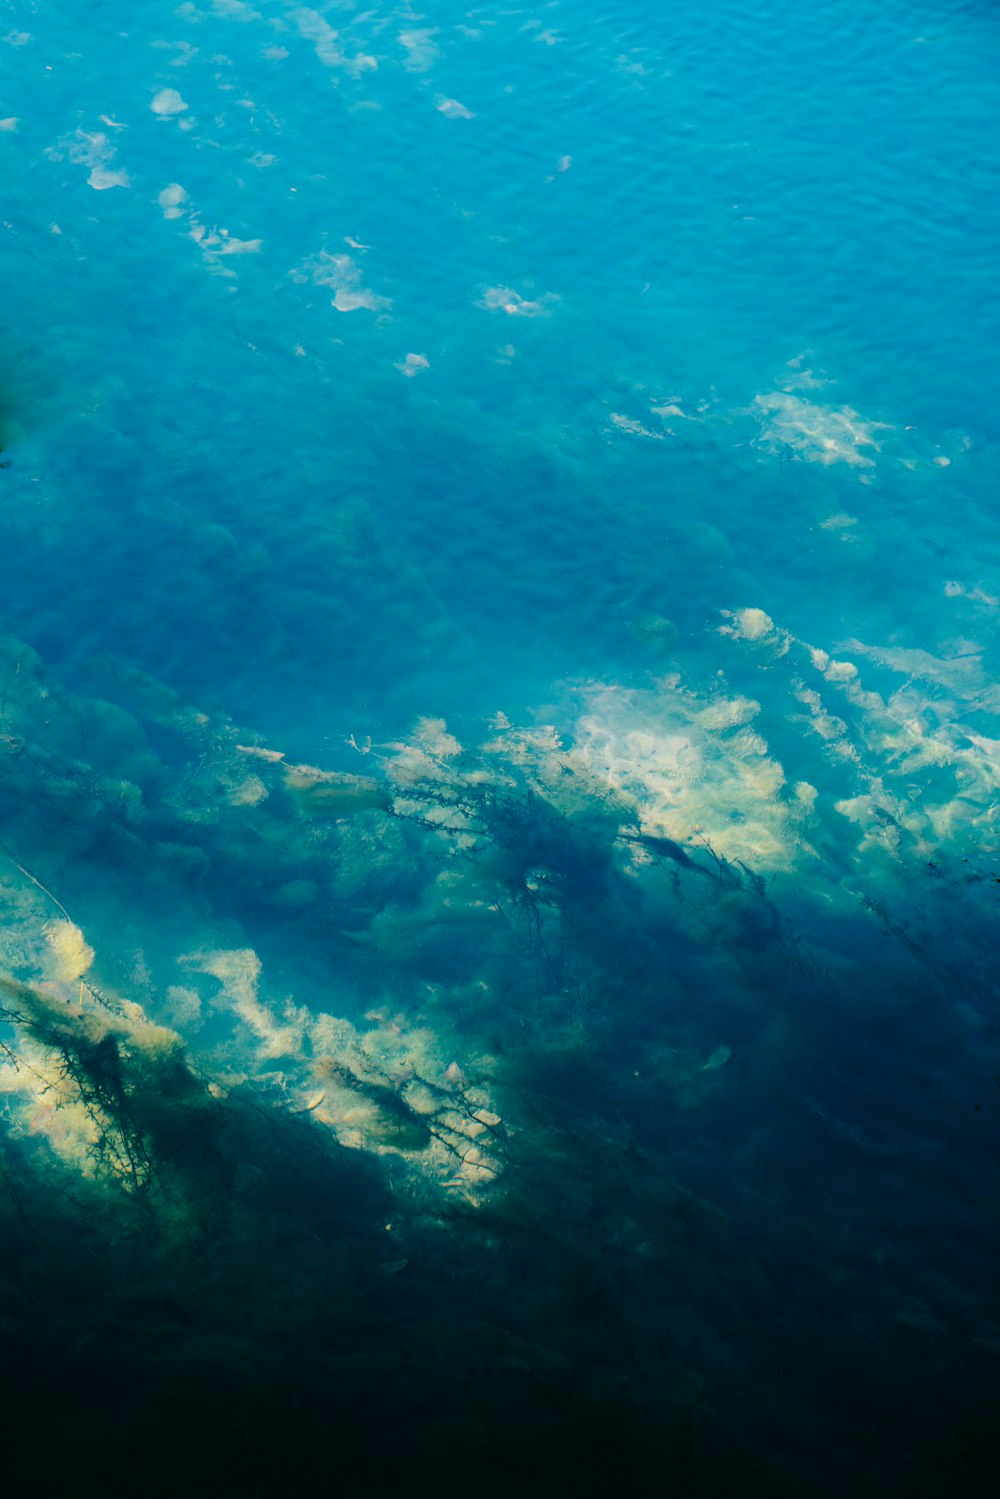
{"type": "Point", "coordinates": [506, 1159]}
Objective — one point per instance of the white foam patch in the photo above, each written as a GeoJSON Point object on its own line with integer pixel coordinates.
{"type": "Point", "coordinates": [635, 428]}
{"type": "Point", "coordinates": [326, 44]}
{"type": "Point", "coordinates": [184, 52]}
{"type": "Point", "coordinates": [168, 102]}
{"type": "Point", "coordinates": [172, 200]}
{"type": "Point", "coordinates": [841, 521]}
{"type": "Point", "coordinates": [9, 124]}
{"type": "Point", "coordinates": [672, 410]}
{"type": "Point", "coordinates": [349, 300]}
{"type": "Point", "coordinates": [955, 674]}
{"type": "Point", "coordinates": [93, 150]}
{"type": "Point", "coordinates": [803, 377]}
{"type": "Point", "coordinates": [421, 51]}
{"type": "Point", "coordinates": [343, 275]}
{"type": "Point", "coordinates": [504, 299]}
{"type": "Point", "coordinates": [818, 434]}
{"type": "Point", "coordinates": [452, 109]}
{"type": "Point", "coordinates": [215, 242]}
{"type": "Point", "coordinates": [412, 365]}
{"type": "Point", "coordinates": [100, 179]}
{"type": "Point", "coordinates": [230, 245]}
{"type": "Point", "coordinates": [753, 624]}
{"type": "Point", "coordinates": [236, 10]}
{"type": "Point", "coordinates": [978, 595]}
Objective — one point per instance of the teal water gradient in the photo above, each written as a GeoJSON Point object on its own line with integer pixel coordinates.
{"type": "Point", "coordinates": [627, 371]}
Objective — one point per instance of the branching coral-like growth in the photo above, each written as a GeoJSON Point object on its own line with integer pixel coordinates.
{"type": "Point", "coordinates": [119, 1070]}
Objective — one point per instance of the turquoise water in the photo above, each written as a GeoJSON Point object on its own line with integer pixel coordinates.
{"type": "Point", "coordinates": [499, 757]}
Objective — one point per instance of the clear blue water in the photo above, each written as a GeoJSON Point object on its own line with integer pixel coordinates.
{"type": "Point", "coordinates": [627, 371]}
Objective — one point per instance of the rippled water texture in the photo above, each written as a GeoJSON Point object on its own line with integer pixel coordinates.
{"type": "Point", "coordinates": [500, 746]}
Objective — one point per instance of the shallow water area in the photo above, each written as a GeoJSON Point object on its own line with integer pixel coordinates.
{"type": "Point", "coordinates": [499, 746]}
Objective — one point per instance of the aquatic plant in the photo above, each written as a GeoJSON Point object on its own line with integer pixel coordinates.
{"type": "Point", "coordinates": [538, 972]}
{"type": "Point", "coordinates": [72, 954]}
{"type": "Point", "coordinates": [116, 1072]}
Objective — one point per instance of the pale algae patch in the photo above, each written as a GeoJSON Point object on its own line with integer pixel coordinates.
{"type": "Point", "coordinates": [168, 102]}
{"type": "Point", "coordinates": [923, 780]}
{"type": "Point", "coordinates": [698, 771]}
{"type": "Point", "coordinates": [80, 1048]}
{"type": "Point", "coordinates": [390, 1086]}
{"type": "Point", "coordinates": [94, 150]}
{"type": "Point", "coordinates": [452, 109]}
{"type": "Point", "coordinates": [819, 434]}
{"type": "Point", "coordinates": [343, 275]}
{"type": "Point", "coordinates": [71, 954]}
{"type": "Point", "coordinates": [326, 42]}
{"type": "Point", "coordinates": [514, 304]}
